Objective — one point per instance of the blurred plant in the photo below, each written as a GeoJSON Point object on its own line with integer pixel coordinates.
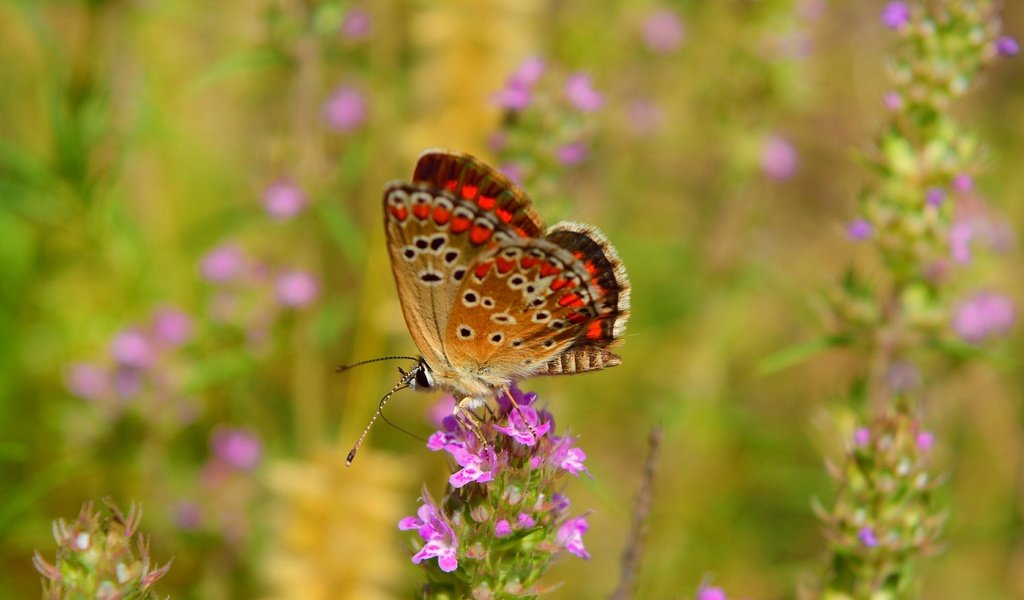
{"type": "Point", "coordinates": [921, 216]}
{"type": "Point", "coordinates": [100, 556]}
{"type": "Point", "coordinates": [548, 124]}
{"type": "Point", "coordinates": [503, 518]}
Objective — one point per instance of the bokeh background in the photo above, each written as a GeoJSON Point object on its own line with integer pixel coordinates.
{"type": "Point", "coordinates": [191, 241]}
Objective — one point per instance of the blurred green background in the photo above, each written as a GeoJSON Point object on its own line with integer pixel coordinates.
{"type": "Point", "coordinates": [137, 137]}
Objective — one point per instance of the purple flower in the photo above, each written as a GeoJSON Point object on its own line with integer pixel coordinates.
{"type": "Point", "coordinates": [663, 31]}
{"type": "Point", "coordinates": [513, 171]}
{"type": "Point", "coordinates": [513, 98]}
{"type": "Point", "coordinates": [87, 381]}
{"type": "Point", "coordinates": [131, 348]}
{"type": "Point", "coordinates": [866, 535]}
{"type": "Point", "coordinates": [581, 93]}
{"type": "Point", "coordinates": [960, 235]}
{"type": "Point", "coordinates": [345, 110]}
{"type": "Point", "coordinates": [896, 15]}
{"type": "Point", "coordinates": [441, 410]}
{"type": "Point", "coordinates": [528, 73]}
{"type": "Point", "coordinates": [1007, 46]}
{"type": "Point", "coordinates": [296, 289]}
{"type": "Point", "coordinates": [568, 458]}
{"type": "Point", "coordinates": [223, 263]}
{"type": "Point", "coordinates": [283, 200]}
{"type": "Point", "coordinates": [439, 535]}
{"type": "Point", "coordinates": [859, 229]}
{"type": "Point", "coordinates": [982, 316]}
{"type": "Point", "coordinates": [934, 196]}
{"type": "Point", "coordinates": [893, 101]}
{"type": "Point", "coordinates": [778, 158]}
{"type": "Point", "coordinates": [710, 593]}
{"type": "Point", "coordinates": [524, 426]}
{"type": "Point", "coordinates": [524, 521]}
{"type": "Point", "coordinates": [474, 467]}
{"type": "Point", "coordinates": [861, 437]}
{"type": "Point", "coordinates": [925, 440]}
{"type": "Point", "coordinates": [571, 154]}
{"type": "Point", "coordinates": [172, 326]}
{"type": "Point", "coordinates": [238, 448]}
{"type": "Point", "coordinates": [356, 25]}
{"type": "Point", "coordinates": [570, 536]}
{"type": "Point", "coordinates": [963, 183]}
{"type": "Point", "coordinates": [502, 528]}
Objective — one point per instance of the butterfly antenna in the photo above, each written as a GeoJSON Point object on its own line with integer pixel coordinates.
{"type": "Point", "coordinates": [344, 368]}
{"type": "Point", "coordinates": [402, 384]}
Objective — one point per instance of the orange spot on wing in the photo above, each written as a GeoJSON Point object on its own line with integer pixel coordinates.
{"type": "Point", "coordinates": [481, 270]}
{"type": "Point", "coordinates": [503, 214]}
{"type": "Point", "coordinates": [460, 224]}
{"type": "Point", "coordinates": [399, 212]}
{"type": "Point", "coordinates": [548, 269]}
{"type": "Point", "coordinates": [468, 191]}
{"type": "Point", "coordinates": [522, 232]}
{"type": "Point", "coordinates": [421, 211]}
{"type": "Point", "coordinates": [570, 300]}
{"type": "Point", "coordinates": [480, 234]}
{"type": "Point", "coordinates": [594, 331]}
{"type": "Point", "coordinates": [577, 317]}
{"type": "Point", "coordinates": [590, 267]}
{"type": "Point", "coordinates": [528, 261]}
{"type": "Point", "coordinates": [559, 283]}
{"type": "Point", "coordinates": [441, 215]}
{"type": "Point", "coordinates": [504, 265]}
{"type": "Point", "coordinates": [450, 185]}
{"type": "Point", "coordinates": [485, 202]}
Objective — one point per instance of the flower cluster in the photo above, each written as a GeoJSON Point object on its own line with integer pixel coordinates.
{"type": "Point", "coordinates": [100, 556]}
{"type": "Point", "coordinates": [144, 362]}
{"type": "Point", "coordinates": [548, 123]}
{"type": "Point", "coordinates": [926, 218]}
{"type": "Point", "coordinates": [502, 519]}
{"type": "Point", "coordinates": [883, 512]}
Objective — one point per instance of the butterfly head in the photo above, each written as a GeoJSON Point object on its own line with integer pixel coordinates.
{"type": "Point", "coordinates": [420, 377]}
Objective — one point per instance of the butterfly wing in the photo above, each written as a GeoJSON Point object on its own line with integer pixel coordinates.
{"type": "Point", "coordinates": [539, 305]}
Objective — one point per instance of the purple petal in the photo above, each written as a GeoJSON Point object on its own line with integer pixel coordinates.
{"type": "Point", "coordinates": [502, 528]}
{"type": "Point", "coordinates": [406, 523]}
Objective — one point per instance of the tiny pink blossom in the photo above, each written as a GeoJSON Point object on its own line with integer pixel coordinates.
{"type": "Point", "coordinates": [356, 25]}
{"type": "Point", "coordinates": [513, 171]}
{"type": "Point", "coordinates": [866, 535]}
{"type": "Point", "coordinates": [925, 440]}
{"type": "Point", "coordinates": [571, 154]}
{"type": "Point", "coordinates": [963, 183]}
{"type": "Point", "coordinates": [984, 315]}
{"type": "Point", "coordinates": [934, 196]}
{"type": "Point", "coordinates": [502, 528]}
{"type": "Point", "coordinates": [663, 31]}
{"type": "Point", "coordinates": [896, 15]}
{"type": "Point", "coordinates": [238, 448]}
{"type": "Point", "coordinates": [859, 229]}
{"type": "Point", "coordinates": [581, 93]}
{"type": "Point", "coordinates": [529, 72]}
{"type": "Point", "coordinates": [345, 110]}
{"type": "Point", "coordinates": [779, 158]}
{"type": "Point", "coordinates": [570, 536]}
{"type": "Point", "coordinates": [710, 593]}
{"type": "Point", "coordinates": [473, 468]}
{"type": "Point", "coordinates": [133, 349]}
{"type": "Point", "coordinates": [87, 381]}
{"type": "Point", "coordinates": [283, 200]}
{"type": "Point", "coordinates": [1007, 46]}
{"type": "Point", "coordinates": [525, 521]}
{"type": "Point", "coordinates": [222, 264]}
{"type": "Point", "coordinates": [862, 436]}
{"type": "Point", "coordinates": [172, 326]}
{"type": "Point", "coordinates": [296, 289]}
{"type": "Point", "coordinates": [893, 101]}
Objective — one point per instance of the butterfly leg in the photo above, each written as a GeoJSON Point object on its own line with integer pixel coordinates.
{"type": "Point", "coordinates": [464, 413]}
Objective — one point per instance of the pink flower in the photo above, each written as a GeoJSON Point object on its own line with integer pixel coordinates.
{"type": "Point", "coordinates": [893, 101]}
{"type": "Point", "coordinates": [87, 381]}
{"type": "Point", "coordinates": [356, 25]}
{"type": "Point", "coordinates": [296, 289]}
{"type": "Point", "coordinates": [778, 158]}
{"type": "Point", "coordinates": [172, 326]}
{"type": "Point", "coordinates": [982, 316]}
{"type": "Point", "coordinates": [859, 229]}
{"type": "Point", "coordinates": [581, 93]}
{"type": "Point", "coordinates": [1007, 46]}
{"type": "Point", "coordinates": [710, 593]}
{"type": "Point", "coordinates": [345, 110]}
{"type": "Point", "coordinates": [132, 349]}
{"type": "Point", "coordinates": [663, 31]}
{"type": "Point", "coordinates": [502, 528]}
{"type": "Point", "coordinates": [862, 437]}
{"type": "Point", "coordinates": [896, 15]}
{"type": "Point", "coordinates": [475, 468]}
{"type": "Point", "coordinates": [925, 440]}
{"type": "Point", "coordinates": [434, 528]}
{"type": "Point", "coordinates": [283, 200]}
{"type": "Point", "coordinates": [223, 263]}
{"type": "Point", "coordinates": [238, 448]}
{"type": "Point", "coordinates": [571, 154]}
{"type": "Point", "coordinates": [570, 536]}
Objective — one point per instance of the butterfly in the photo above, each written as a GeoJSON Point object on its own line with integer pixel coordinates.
{"type": "Point", "coordinates": [489, 294]}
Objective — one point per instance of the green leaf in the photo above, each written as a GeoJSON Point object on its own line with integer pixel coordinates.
{"type": "Point", "coordinates": [798, 353]}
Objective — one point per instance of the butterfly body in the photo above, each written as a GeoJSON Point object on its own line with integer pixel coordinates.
{"type": "Point", "coordinates": [488, 293]}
